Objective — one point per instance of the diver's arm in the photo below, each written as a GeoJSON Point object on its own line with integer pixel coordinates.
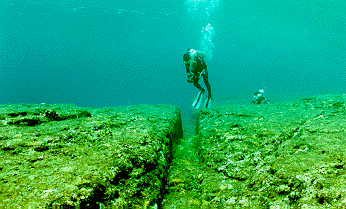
{"type": "Point", "coordinates": [187, 69]}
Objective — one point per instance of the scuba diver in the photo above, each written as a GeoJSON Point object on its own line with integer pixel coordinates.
{"type": "Point", "coordinates": [195, 69]}
{"type": "Point", "coordinates": [259, 98]}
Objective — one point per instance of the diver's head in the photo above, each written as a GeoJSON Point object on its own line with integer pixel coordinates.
{"type": "Point", "coordinates": [186, 58]}
{"type": "Point", "coordinates": [192, 52]}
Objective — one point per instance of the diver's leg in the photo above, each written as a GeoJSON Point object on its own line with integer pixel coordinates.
{"type": "Point", "coordinates": [196, 84]}
{"type": "Point", "coordinates": [206, 82]}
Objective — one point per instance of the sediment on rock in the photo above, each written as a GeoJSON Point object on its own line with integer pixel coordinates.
{"type": "Point", "coordinates": [73, 157]}
{"type": "Point", "coordinates": [285, 155]}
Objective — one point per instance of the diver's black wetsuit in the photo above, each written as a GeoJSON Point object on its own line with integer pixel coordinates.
{"type": "Point", "coordinates": [201, 70]}
{"type": "Point", "coordinates": [258, 98]}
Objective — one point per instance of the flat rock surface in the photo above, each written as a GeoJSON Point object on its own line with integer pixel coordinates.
{"type": "Point", "coordinates": [284, 155]}
{"type": "Point", "coordinates": [72, 157]}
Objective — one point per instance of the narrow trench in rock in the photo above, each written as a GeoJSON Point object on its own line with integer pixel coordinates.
{"type": "Point", "coordinates": [185, 164]}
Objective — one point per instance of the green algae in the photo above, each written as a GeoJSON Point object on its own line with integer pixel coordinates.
{"type": "Point", "coordinates": [63, 156]}
{"type": "Point", "coordinates": [286, 155]}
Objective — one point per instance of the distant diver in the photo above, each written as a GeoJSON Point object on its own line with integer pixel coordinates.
{"type": "Point", "coordinates": [259, 97]}
{"type": "Point", "coordinates": [196, 68]}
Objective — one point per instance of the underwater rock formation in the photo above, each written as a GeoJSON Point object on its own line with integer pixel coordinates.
{"type": "Point", "coordinates": [284, 155]}
{"type": "Point", "coordinates": [63, 156]}
{"type": "Point", "coordinates": [280, 155]}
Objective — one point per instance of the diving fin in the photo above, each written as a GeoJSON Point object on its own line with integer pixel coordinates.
{"type": "Point", "coordinates": [207, 103]}
{"type": "Point", "coordinates": [198, 101]}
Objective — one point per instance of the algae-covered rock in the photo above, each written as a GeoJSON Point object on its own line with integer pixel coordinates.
{"type": "Point", "coordinates": [63, 156]}
{"type": "Point", "coordinates": [284, 155]}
